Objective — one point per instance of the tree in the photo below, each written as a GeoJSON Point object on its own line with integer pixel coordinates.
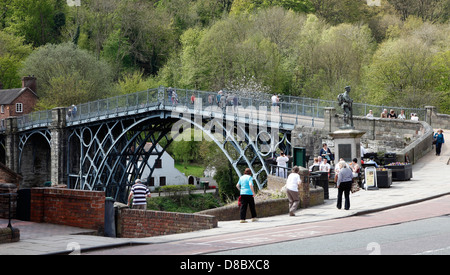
{"type": "Point", "coordinates": [12, 53]}
{"type": "Point", "coordinates": [67, 75]}
{"type": "Point", "coordinates": [38, 21]}
{"type": "Point", "coordinates": [403, 74]}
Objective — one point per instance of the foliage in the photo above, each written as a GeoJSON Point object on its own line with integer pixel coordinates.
{"type": "Point", "coordinates": [67, 75]}
{"type": "Point", "coordinates": [412, 69]}
{"type": "Point", "coordinates": [177, 189]}
{"type": "Point", "coordinates": [12, 53]}
{"type": "Point", "coordinates": [186, 204]}
{"type": "Point", "coordinates": [38, 21]}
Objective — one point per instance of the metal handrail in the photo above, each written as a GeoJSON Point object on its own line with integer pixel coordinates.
{"type": "Point", "coordinates": [296, 107]}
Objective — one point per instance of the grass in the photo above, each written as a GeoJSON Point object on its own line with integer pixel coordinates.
{"type": "Point", "coordinates": [190, 169]}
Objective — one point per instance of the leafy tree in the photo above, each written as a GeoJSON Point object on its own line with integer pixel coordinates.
{"type": "Point", "coordinates": [38, 21]}
{"type": "Point", "coordinates": [67, 75]}
{"type": "Point", "coordinates": [403, 73]}
{"type": "Point", "coordinates": [12, 53]}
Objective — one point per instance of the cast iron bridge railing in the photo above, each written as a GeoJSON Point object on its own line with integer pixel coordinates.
{"type": "Point", "coordinates": [303, 111]}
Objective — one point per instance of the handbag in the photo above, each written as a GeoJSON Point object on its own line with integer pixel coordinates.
{"type": "Point", "coordinates": [239, 202]}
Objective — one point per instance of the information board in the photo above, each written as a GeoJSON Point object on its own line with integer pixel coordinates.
{"type": "Point", "coordinates": [370, 176]}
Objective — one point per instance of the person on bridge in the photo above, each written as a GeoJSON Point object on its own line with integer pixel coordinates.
{"type": "Point", "coordinates": [245, 186]}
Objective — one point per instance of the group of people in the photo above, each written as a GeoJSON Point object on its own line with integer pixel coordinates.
{"type": "Point", "coordinates": [392, 114]}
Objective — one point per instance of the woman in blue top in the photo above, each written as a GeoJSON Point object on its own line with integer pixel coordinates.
{"type": "Point", "coordinates": [439, 136]}
{"type": "Point", "coordinates": [245, 185]}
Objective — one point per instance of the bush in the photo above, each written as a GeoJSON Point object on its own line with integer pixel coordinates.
{"type": "Point", "coordinates": [186, 204]}
{"type": "Point", "coordinates": [177, 189]}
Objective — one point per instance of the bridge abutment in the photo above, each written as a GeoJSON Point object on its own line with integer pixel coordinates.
{"type": "Point", "coordinates": [58, 147]}
{"type": "Point", "coordinates": [12, 144]}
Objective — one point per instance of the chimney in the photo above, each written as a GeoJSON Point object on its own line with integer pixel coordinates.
{"type": "Point", "coordinates": [30, 82]}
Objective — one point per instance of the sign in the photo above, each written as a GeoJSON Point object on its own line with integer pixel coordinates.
{"type": "Point", "coordinates": [370, 178]}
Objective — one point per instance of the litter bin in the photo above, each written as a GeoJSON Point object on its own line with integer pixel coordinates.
{"type": "Point", "coordinates": [110, 220]}
{"type": "Point", "coordinates": [322, 181]}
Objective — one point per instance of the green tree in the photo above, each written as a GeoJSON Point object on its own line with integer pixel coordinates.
{"type": "Point", "coordinates": [12, 53]}
{"type": "Point", "coordinates": [403, 74]}
{"type": "Point", "coordinates": [67, 75]}
{"type": "Point", "coordinates": [38, 21]}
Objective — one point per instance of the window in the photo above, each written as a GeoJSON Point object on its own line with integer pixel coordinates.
{"type": "Point", "coordinates": [152, 181]}
{"type": "Point", "coordinates": [2, 109]}
{"type": "Point", "coordinates": [19, 107]}
{"type": "Point", "coordinates": [162, 181]}
{"type": "Point", "coordinates": [158, 163]}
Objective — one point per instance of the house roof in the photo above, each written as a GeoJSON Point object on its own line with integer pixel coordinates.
{"type": "Point", "coordinates": [7, 96]}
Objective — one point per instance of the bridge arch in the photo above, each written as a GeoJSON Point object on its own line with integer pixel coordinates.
{"type": "Point", "coordinates": [110, 155]}
{"type": "Point", "coordinates": [34, 157]}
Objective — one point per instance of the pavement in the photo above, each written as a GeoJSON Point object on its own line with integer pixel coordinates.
{"type": "Point", "coordinates": [431, 179]}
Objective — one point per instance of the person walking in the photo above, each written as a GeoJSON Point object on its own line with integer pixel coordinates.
{"type": "Point", "coordinates": [439, 136]}
{"type": "Point", "coordinates": [139, 192]}
{"type": "Point", "coordinates": [292, 185]}
{"type": "Point", "coordinates": [245, 186]}
{"type": "Point", "coordinates": [344, 184]}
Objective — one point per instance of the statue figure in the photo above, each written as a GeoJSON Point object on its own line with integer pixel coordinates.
{"type": "Point", "coordinates": [346, 104]}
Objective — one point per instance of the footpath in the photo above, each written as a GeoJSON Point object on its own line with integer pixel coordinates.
{"type": "Point", "coordinates": [431, 179]}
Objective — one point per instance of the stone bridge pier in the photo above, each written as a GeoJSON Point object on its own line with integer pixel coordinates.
{"type": "Point", "coordinates": [39, 154]}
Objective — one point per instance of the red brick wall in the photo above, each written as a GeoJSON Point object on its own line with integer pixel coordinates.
{"type": "Point", "coordinates": [28, 100]}
{"type": "Point", "coordinates": [145, 223]}
{"type": "Point", "coordinates": [85, 209]}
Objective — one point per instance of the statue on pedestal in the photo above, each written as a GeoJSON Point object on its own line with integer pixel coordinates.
{"type": "Point", "coordinates": [346, 104]}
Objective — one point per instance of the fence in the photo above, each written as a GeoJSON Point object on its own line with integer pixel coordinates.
{"type": "Point", "coordinates": [298, 108]}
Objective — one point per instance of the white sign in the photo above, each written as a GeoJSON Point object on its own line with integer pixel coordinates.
{"type": "Point", "coordinates": [370, 175]}
{"type": "Point", "coordinates": [72, 3]}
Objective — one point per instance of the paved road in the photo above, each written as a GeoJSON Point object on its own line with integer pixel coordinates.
{"type": "Point", "coordinates": [258, 239]}
{"type": "Point", "coordinates": [423, 237]}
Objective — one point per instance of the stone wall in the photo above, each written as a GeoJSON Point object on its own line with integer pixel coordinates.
{"type": "Point", "coordinates": [436, 120]}
{"type": "Point", "coordinates": [264, 208]}
{"type": "Point", "coordinates": [8, 235]}
{"type": "Point", "coordinates": [403, 137]}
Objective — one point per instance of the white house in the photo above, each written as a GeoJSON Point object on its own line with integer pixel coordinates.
{"type": "Point", "coordinates": [165, 172]}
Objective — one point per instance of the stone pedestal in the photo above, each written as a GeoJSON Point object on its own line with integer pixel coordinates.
{"type": "Point", "coordinates": [347, 144]}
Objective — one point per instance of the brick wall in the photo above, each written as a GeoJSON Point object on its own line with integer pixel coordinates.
{"type": "Point", "coordinates": [134, 223]}
{"type": "Point", "coordinates": [79, 208]}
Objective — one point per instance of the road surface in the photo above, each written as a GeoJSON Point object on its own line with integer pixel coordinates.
{"type": "Point", "coordinates": [351, 235]}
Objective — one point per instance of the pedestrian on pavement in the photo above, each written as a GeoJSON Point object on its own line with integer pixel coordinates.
{"type": "Point", "coordinates": [245, 186]}
{"type": "Point", "coordinates": [292, 185]}
{"type": "Point", "coordinates": [344, 184]}
{"type": "Point", "coordinates": [439, 137]}
{"type": "Point", "coordinates": [139, 192]}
